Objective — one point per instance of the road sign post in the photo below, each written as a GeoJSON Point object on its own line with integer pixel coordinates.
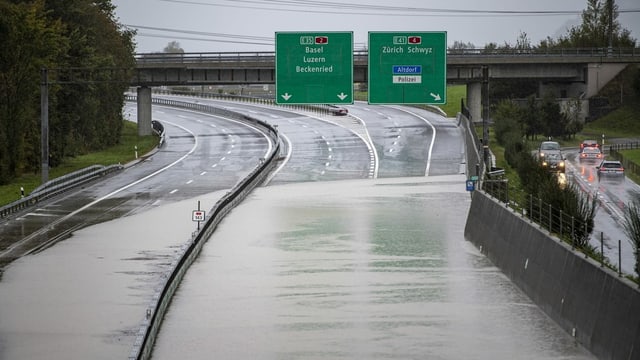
{"type": "Point", "coordinates": [314, 68]}
{"type": "Point", "coordinates": [407, 68]}
{"type": "Point", "coordinates": [198, 215]}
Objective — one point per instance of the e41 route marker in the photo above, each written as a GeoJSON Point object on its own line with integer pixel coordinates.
{"type": "Point", "coordinates": [314, 68]}
{"type": "Point", "coordinates": [408, 67]}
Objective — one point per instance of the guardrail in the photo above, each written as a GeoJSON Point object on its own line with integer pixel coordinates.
{"type": "Point", "coordinates": [145, 340]}
{"type": "Point", "coordinates": [58, 186]}
{"type": "Point", "coordinates": [240, 57]}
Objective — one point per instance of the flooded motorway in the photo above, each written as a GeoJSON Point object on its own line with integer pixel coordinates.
{"type": "Point", "coordinates": [363, 269]}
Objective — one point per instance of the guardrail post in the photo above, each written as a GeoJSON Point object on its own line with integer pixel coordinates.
{"type": "Point", "coordinates": [619, 258]}
{"type": "Point", "coordinates": [601, 249]}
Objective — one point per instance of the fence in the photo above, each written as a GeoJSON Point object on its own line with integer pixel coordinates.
{"type": "Point", "coordinates": [630, 166]}
{"type": "Point", "coordinates": [564, 226]}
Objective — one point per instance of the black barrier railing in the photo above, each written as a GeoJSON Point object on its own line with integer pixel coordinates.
{"type": "Point", "coordinates": [58, 186]}
{"type": "Point", "coordinates": [474, 149]}
{"type": "Point", "coordinates": [143, 346]}
{"type": "Point", "coordinates": [615, 152]}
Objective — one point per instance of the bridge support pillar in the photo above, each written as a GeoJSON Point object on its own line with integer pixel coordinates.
{"type": "Point", "coordinates": [144, 111]}
{"type": "Point", "coordinates": [474, 100]}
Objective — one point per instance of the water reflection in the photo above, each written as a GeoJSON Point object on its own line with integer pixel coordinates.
{"type": "Point", "coordinates": [354, 270]}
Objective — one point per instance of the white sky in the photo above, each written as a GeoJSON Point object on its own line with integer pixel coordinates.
{"type": "Point", "coordinates": [256, 21]}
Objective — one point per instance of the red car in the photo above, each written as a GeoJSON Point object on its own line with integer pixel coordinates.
{"type": "Point", "coordinates": [589, 144]}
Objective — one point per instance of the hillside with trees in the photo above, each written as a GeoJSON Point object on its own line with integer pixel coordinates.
{"type": "Point", "coordinates": [85, 105]}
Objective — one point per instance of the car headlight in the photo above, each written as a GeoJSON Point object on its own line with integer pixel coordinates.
{"type": "Point", "coordinates": [561, 164]}
{"type": "Point", "coordinates": [544, 163]}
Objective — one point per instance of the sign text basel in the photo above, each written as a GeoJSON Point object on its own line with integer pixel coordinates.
{"type": "Point", "coordinates": [314, 68]}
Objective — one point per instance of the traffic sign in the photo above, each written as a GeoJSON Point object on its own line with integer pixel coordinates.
{"type": "Point", "coordinates": [198, 215]}
{"type": "Point", "coordinates": [314, 68]}
{"type": "Point", "coordinates": [408, 67]}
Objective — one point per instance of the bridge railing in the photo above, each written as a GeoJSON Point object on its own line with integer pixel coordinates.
{"type": "Point", "coordinates": [269, 56]}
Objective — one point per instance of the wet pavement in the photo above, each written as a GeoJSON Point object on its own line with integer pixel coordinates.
{"type": "Point", "coordinates": [367, 269]}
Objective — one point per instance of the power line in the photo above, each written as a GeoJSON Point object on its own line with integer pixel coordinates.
{"type": "Point", "coordinates": [376, 10]}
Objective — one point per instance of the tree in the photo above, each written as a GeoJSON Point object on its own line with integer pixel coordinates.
{"type": "Point", "coordinates": [36, 42]}
{"type": "Point", "coordinates": [599, 27]}
{"type": "Point", "coordinates": [173, 48]}
{"type": "Point", "coordinates": [459, 47]}
{"type": "Point", "coordinates": [83, 115]}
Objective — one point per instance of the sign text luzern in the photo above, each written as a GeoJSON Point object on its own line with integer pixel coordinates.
{"type": "Point", "coordinates": [314, 68]}
{"type": "Point", "coordinates": [407, 68]}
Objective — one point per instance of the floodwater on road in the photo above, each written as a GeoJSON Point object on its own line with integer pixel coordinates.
{"type": "Point", "coordinates": [85, 297]}
{"type": "Point", "coordinates": [366, 269]}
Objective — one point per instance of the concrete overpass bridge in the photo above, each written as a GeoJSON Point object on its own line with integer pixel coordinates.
{"type": "Point", "coordinates": [568, 73]}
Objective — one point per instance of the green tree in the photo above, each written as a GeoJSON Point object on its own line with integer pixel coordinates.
{"type": "Point", "coordinates": [36, 41]}
{"type": "Point", "coordinates": [86, 112]}
{"type": "Point", "coordinates": [173, 47]}
{"type": "Point", "coordinates": [507, 118]}
{"type": "Point", "coordinates": [599, 21]}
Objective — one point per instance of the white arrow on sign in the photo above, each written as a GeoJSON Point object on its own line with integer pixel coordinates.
{"type": "Point", "coordinates": [436, 97]}
{"type": "Point", "coordinates": [342, 96]}
{"type": "Point", "coordinates": [286, 96]}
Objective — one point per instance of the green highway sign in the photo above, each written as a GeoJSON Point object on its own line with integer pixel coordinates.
{"type": "Point", "coordinates": [408, 67]}
{"type": "Point", "coordinates": [314, 68]}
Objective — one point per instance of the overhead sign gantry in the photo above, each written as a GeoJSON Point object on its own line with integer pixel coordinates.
{"type": "Point", "coordinates": [407, 67]}
{"type": "Point", "coordinates": [314, 68]}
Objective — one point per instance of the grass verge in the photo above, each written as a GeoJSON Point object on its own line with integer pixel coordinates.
{"type": "Point", "coordinates": [121, 153]}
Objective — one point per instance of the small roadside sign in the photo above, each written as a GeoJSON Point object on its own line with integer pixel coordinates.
{"type": "Point", "coordinates": [198, 215]}
{"type": "Point", "coordinates": [471, 185]}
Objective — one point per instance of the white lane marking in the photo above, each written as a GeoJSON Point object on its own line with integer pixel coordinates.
{"type": "Point", "coordinates": [156, 202]}
{"type": "Point", "coordinates": [214, 165]}
{"type": "Point", "coordinates": [433, 137]}
{"type": "Point", "coordinates": [373, 153]}
{"type": "Point", "coordinates": [286, 159]}
{"type": "Point", "coordinates": [203, 173]}
{"type": "Point", "coordinates": [223, 158]}
{"type": "Point", "coordinates": [189, 182]}
{"type": "Point", "coordinates": [173, 191]}
{"type": "Point", "coordinates": [77, 211]}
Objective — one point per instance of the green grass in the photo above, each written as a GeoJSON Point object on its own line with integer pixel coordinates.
{"type": "Point", "coordinates": [621, 123]}
{"type": "Point", "coordinates": [633, 156]}
{"type": "Point", "coordinates": [121, 153]}
{"type": "Point", "coordinates": [451, 108]}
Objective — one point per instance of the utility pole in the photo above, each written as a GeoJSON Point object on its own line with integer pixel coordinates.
{"type": "Point", "coordinates": [610, 11]}
{"type": "Point", "coordinates": [44, 123]}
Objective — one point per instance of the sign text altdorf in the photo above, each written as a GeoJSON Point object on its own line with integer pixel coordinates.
{"type": "Point", "coordinates": [314, 68]}
{"type": "Point", "coordinates": [407, 68]}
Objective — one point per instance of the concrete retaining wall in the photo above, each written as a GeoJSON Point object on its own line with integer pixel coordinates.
{"type": "Point", "coordinates": [601, 309]}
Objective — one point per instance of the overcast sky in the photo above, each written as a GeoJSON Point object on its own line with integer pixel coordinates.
{"type": "Point", "coordinates": [250, 25]}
